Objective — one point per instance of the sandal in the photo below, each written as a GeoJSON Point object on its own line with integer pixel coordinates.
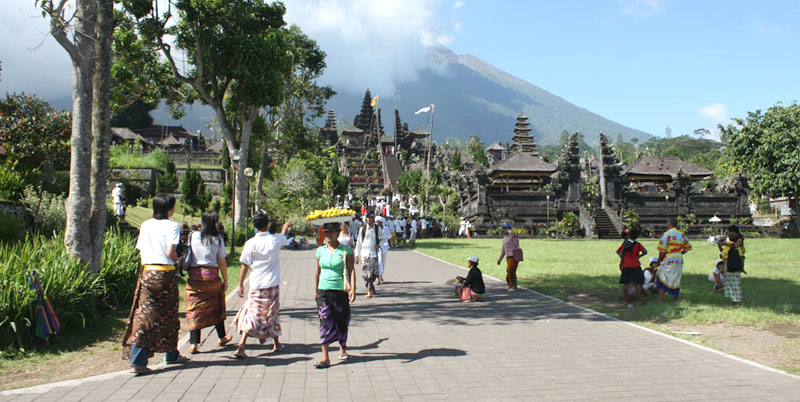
{"type": "Point", "coordinates": [280, 348]}
{"type": "Point", "coordinates": [194, 349]}
{"type": "Point", "coordinates": [322, 365]}
{"type": "Point", "coordinates": [181, 359]}
{"type": "Point", "coordinates": [344, 356]}
{"type": "Point", "coordinates": [225, 340]}
{"type": "Point", "coordinates": [236, 355]}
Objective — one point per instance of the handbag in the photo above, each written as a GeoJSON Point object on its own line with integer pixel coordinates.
{"type": "Point", "coordinates": [344, 271]}
{"type": "Point", "coordinates": [518, 255]}
{"type": "Point", "coordinates": [186, 260]}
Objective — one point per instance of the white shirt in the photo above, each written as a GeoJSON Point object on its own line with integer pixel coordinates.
{"type": "Point", "coordinates": [206, 254]}
{"type": "Point", "coordinates": [424, 224]}
{"type": "Point", "coordinates": [387, 234]}
{"type": "Point", "coordinates": [154, 237]}
{"type": "Point", "coordinates": [402, 224]}
{"type": "Point", "coordinates": [398, 226]}
{"type": "Point", "coordinates": [413, 226]}
{"type": "Point", "coordinates": [366, 247]}
{"type": "Point", "coordinates": [345, 240]}
{"type": "Point", "coordinates": [116, 194]}
{"type": "Point", "coordinates": [262, 254]}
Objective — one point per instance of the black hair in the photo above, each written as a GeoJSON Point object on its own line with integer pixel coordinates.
{"type": "Point", "coordinates": [734, 229]}
{"type": "Point", "coordinates": [209, 227]}
{"type": "Point", "coordinates": [673, 221]}
{"type": "Point", "coordinates": [261, 220]}
{"type": "Point", "coordinates": [634, 233]}
{"type": "Point", "coordinates": [735, 236]}
{"type": "Point", "coordinates": [162, 204]}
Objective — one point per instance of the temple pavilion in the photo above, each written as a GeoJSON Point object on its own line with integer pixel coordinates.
{"type": "Point", "coordinates": [655, 174]}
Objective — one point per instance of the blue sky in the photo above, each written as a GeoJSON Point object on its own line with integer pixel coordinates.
{"type": "Point", "coordinates": [643, 63]}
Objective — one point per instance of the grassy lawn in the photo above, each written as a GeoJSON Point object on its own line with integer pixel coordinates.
{"type": "Point", "coordinates": [94, 349]}
{"type": "Point", "coordinates": [586, 272]}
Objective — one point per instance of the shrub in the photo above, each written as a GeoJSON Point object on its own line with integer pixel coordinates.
{"type": "Point", "coordinates": [631, 219]}
{"type": "Point", "coordinates": [78, 296]}
{"type": "Point", "coordinates": [519, 231]}
{"type": "Point", "coordinates": [12, 184]}
{"type": "Point", "coordinates": [494, 232]}
{"type": "Point", "coordinates": [569, 225]}
{"type": "Point", "coordinates": [48, 210]}
{"type": "Point", "coordinates": [167, 182]}
{"type": "Point", "coordinates": [12, 228]}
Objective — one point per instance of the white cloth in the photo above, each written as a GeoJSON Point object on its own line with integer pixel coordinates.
{"type": "Point", "coordinates": [381, 261]}
{"type": "Point", "coordinates": [262, 253]}
{"type": "Point", "coordinates": [154, 237]}
{"type": "Point", "coordinates": [397, 226]}
{"type": "Point", "coordinates": [647, 284]}
{"type": "Point", "coordinates": [386, 235]}
{"type": "Point", "coordinates": [206, 254]}
{"type": "Point", "coordinates": [344, 240]}
{"type": "Point", "coordinates": [116, 195]}
{"type": "Point", "coordinates": [716, 271]}
{"type": "Point", "coordinates": [424, 223]}
{"type": "Point", "coordinates": [353, 228]}
{"type": "Point", "coordinates": [413, 226]}
{"type": "Point", "coordinates": [462, 228]}
{"type": "Point", "coordinates": [365, 245]}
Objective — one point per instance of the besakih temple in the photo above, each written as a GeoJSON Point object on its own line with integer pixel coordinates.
{"type": "Point", "coordinates": [518, 186]}
{"type": "Point", "coordinates": [659, 187]}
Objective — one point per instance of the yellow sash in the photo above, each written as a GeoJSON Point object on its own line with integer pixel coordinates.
{"type": "Point", "coordinates": [159, 267]}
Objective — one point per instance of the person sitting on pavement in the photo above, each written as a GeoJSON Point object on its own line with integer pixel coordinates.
{"type": "Point", "coordinates": [472, 287]}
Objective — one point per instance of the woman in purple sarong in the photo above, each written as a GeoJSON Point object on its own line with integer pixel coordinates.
{"type": "Point", "coordinates": [334, 264]}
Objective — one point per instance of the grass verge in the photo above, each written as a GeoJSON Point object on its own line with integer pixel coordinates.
{"type": "Point", "coordinates": [586, 272]}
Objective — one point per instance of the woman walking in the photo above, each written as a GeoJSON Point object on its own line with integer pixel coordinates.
{"type": "Point", "coordinates": [334, 264]}
{"type": "Point", "coordinates": [367, 248]}
{"type": "Point", "coordinates": [259, 316]}
{"type": "Point", "coordinates": [153, 322]}
{"type": "Point", "coordinates": [207, 283]}
{"type": "Point", "coordinates": [344, 234]}
{"type": "Point", "coordinates": [513, 255]}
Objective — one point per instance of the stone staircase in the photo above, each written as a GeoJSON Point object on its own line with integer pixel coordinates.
{"type": "Point", "coordinates": [393, 170]}
{"type": "Point", "coordinates": [604, 227]}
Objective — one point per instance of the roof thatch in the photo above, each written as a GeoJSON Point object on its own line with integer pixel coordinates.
{"type": "Point", "coordinates": [127, 134]}
{"type": "Point", "coordinates": [215, 147]}
{"type": "Point", "coordinates": [161, 131]}
{"type": "Point", "coordinates": [495, 147]}
{"type": "Point", "coordinates": [169, 141]}
{"type": "Point", "coordinates": [352, 130]}
{"type": "Point", "coordinates": [523, 162]}
{"type": "Point", "coordinates": [665, 166]}
{"type": "Point", "coordinates": [387, 140]}
{"type": "Point", "coordinates": [419, 133]}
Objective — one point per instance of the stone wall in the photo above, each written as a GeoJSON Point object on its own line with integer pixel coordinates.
{"type": "Point", "coordinates": [144, 178]}
{"type": "Point", "coordinates": [12, 208]}
{"type": "Point", "coordinates": [213, 178]}
{"type": "Point", "coordinates": [197, 158]}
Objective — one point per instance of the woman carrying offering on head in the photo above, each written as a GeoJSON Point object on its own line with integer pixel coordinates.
{"type": "Point", "coordinates": [334, 266]}
{"type": "Point", "coordinates": [153, 322]}
{"type": "Point", "coordinates": [207, 283]}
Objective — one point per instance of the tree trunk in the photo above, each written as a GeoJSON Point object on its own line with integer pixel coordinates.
{"type": "Point", "coordinates": [248, 118]}
{"type": "Point", "coordinates": [101, 127]}
{"type": "Point", "coordinates": [264, 166]}
{"type": "Point", "coordinates": [77, 238]}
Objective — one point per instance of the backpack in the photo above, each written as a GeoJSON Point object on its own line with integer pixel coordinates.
{"type": "Point", "coordinates": [186, 260]}
{"type": "Point", "coordinates": [735, 261]}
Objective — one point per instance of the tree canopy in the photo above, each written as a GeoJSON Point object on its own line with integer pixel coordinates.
{"type": "Point", "coordinates": [765, 147]}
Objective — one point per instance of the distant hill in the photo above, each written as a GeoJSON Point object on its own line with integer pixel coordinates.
{"type": "Point", "coordinates": [473, 97]}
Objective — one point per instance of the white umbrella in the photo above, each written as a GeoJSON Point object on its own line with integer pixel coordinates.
{"type": "Point", "coordinates": [715, 219]}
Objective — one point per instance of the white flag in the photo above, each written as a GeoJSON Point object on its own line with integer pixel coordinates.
{"type": "Point", "coordinates": [426, 109]}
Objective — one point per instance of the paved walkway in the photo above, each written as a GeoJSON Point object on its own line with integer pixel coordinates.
{"type": "Point", "coordinates": [417, 343]}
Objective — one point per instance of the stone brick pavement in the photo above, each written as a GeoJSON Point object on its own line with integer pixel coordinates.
{"type": "Point", "coordinates": [415, 342]}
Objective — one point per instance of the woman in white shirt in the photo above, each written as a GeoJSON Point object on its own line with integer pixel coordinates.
{"type": "Point", "coordinates": [344, 235]}
{"type": "Point", "coordinates": [367, 248]}
{"type": "Point", "coordinates": [207, 282]}
{"type": "Point", "coordinates": [153, 322]}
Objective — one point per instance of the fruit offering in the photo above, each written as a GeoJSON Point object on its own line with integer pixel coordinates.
{"type": "Point", "coordinates": [330, 213]}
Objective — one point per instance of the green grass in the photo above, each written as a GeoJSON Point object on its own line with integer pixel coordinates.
{"type": "Point", "coordinates": [587, 272]}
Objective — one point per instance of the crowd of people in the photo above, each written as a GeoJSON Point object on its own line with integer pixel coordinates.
{"type": "Point", "coordinates": [153, 323]}
{"type": "Point", "coordinates": [664, 273]}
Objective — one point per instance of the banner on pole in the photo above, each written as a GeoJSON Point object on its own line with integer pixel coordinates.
{"type": "Point", "coordinates": [426, 109]}
{"type": "Point", "coordinates": [374, 101]}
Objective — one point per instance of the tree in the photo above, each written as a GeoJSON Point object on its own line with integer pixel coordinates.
{"type": "Point", "coordinates": [455, 162]}
{"type": "Point", "coordinates": [238, 56]}
{"type": "Point", "coordinates": [765, 146]}
{"type": "Point", "coordinates": [702, 133]}
{"type": "Point", "coordinates": [167, 182]}
{"type": "Point", "coordinates": [476, 148]}
{"type": "Point", "coordinates": [193, 190]}
{"type": "Point", "coordinates": [668, 132]}
{"type": "Point", "coordinates": [32, 131]}
{"type": "Point", "coordinates": [86, 36]}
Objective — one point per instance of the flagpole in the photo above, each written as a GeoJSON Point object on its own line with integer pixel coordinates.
{"type": "Point", "coordinates": [430, 138]}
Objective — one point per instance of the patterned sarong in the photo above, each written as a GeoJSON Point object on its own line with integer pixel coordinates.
{"type": "Point", "coordinates": [153, 322]}
{"type": "Point", "coordinates": [669, 275]}
{"type": "Point", "coordinates": [259, 316]}
{"type": "Point", "coordinates": [205, 299]}
{"type": "Point", "coordinates": [334, 316]}
{"type": "Point", "coordinates": [733, 286]}
{"type": "Point", "coordinates": [370, 272]}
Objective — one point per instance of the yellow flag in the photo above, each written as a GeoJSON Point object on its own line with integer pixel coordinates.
{"type": "Point", "coordinates": [374, 101]}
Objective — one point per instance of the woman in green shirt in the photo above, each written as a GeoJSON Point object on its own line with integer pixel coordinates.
{"type": "Point", "coordinates": [334, 264]}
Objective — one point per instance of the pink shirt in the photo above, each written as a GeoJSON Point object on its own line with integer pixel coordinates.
{"type": "Point", "coordinates": [510, 243]}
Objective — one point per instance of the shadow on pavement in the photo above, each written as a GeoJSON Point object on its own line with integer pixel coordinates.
{"type": "Point", "coordinates": [409, 357]}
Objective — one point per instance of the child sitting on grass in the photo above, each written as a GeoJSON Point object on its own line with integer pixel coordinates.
{"type": "Point", "coordinates": [472, 287]}
{"type": "Point", "coordinates": [650, 276]}
{"type": "Point", "coordinates": [717, 277]}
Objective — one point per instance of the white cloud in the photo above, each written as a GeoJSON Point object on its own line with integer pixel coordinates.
{"type": "Point", "coordinates": [718, 114]}
{"type": "Point", "coordinates": [642, 8]}
{"type": "Point", "coordinates": [458, 4]}
{"type": "Point", "coordinates": [373, 44]}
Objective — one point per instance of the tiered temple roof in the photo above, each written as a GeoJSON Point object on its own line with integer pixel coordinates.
{"type": "Point", "coordinates": [519, 162]}
{"type": "Point", "coordinates": [667, 168]}
{"type": "Point", "coordinates": [523, 140]}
